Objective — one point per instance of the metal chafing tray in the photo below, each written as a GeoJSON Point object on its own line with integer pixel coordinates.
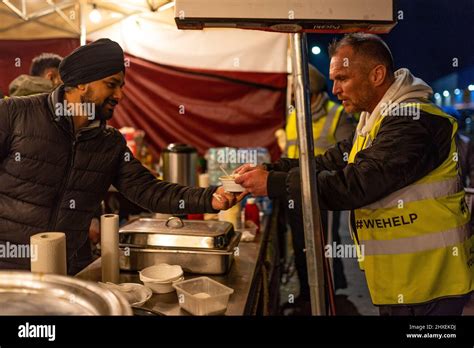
{"type": "Point", "coordinates": [202, 247]}
{"type": "Point", "coordinates": [176, 233]}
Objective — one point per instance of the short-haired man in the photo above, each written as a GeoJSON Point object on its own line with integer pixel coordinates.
{"type": "Point", "coordinates": [58, 159]}
{"type": "Point", "coordinates": [43, 77]}
{"type": "Point", "coordinates": [400, 177]}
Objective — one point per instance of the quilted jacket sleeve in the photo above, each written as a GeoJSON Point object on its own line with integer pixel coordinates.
{"type": "Point", "coordinates": [334, 158]}
{"type": "Point", "coordinates": [5, 130]}
{"type": "Point", "coordinates": [141, 187]}
{"type": "Point", "coordinates": [404, 151]}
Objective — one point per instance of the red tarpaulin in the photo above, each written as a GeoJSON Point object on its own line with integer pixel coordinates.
{"type": "Point", "coordinates": [16, 56]}
{"type": "Point", "coordinates": [199, 107]}
{"type": "Point", "coordinates": [203, 108]}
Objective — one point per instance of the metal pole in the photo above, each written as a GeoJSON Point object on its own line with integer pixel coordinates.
{"type": "Point", "coordinates": [82, 14]}
{"type": "Point", "coordinates": [310, 204]}
{"type": "Point", "coordinates": [329, 241]}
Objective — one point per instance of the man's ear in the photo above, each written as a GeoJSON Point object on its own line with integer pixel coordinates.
{"type": "Point", "coordinates": [82, 87]}
{"type": "Point", "coordinates": [378, 75]}
{"type": "Point", "coordinates": [48, 76]}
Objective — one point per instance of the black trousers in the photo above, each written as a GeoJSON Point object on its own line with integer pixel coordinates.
{"type": "Point", "coordinates": [295, 220]}
{"type": "Point", "coordinates": [444, 306]}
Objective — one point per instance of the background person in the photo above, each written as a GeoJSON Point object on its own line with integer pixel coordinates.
{"type": "Point", "coordinates": [43, 77]}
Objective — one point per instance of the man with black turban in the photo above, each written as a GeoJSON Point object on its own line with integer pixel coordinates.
{"type": "Point", "coordinates": [58, 159]}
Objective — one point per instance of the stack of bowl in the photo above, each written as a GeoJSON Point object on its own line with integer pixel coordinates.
{"type": "Point", "coordinates": [160, 278]}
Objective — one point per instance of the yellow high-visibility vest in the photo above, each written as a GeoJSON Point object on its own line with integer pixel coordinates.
{"type": "Point", "coordinates": [416, 243]}
{"type": "Point", "coordinates": [324, 131]}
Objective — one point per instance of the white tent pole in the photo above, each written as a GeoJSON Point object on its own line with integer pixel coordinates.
{"type": "Point", "coordinates": [63, 16]}
{"type": "Point", "coordinates": [42, 13]}
{"type": "Point", "coordinates": [310, 205]}
{"type": "Point", "coordinates": [82, 10]}
{"type": "Point", "coordinates": [15, 10]}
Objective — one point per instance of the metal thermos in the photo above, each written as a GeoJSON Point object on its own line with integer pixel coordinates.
{"type": "Point", "coordinates": [180, 164]}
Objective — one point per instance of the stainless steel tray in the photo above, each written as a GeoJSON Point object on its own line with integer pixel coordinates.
{"type": "Point", "coordinates": [176, 233]}
{"type": "Point", "coordinates": [25, 293]}
{"type": "Point", "coordinates": [197, 261]}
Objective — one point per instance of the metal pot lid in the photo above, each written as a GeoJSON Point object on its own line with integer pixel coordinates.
{"type": "Point", "coordinates": [177, 233]}
{"type": "Point", "coordinates": [26, 293]}
{"type": "Point", "coordinates": [179, 148]}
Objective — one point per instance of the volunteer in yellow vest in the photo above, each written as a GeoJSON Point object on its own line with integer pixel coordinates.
{"type": "Point", "coordinates": [400, 175]}
{"type": "Point", "coordinates": [330, 123]}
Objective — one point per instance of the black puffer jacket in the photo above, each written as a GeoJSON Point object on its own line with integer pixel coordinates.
{"type": "Point", "coordinates": [53, 180]}
{"type": "Point", "coordinates": [404, 151]}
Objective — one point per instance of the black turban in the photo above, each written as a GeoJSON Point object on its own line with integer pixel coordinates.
{"type": "Point", "coordinates": [92, 62]}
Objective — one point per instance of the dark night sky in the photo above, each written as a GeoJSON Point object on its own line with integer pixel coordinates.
{"type": "Point", "coordinates": [431, 34]}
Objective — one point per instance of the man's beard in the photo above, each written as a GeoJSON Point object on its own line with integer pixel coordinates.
{"type": "Point", "coordinates": [101, 112]}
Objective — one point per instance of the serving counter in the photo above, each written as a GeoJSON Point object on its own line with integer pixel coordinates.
{"type": "Point", "coordinates": [250, 276]}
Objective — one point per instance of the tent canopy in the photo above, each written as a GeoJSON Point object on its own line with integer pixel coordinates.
{"type": "Point", "coordinates": [230, 82]}
{"type": "Point", "coordinates": [41, 19]}
{"type": "Point", "coordinates": [146, 29]}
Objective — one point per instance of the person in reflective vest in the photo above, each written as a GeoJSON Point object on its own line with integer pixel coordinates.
{"type": "Point", "coordinates": [330, 125]}
{"type": "Point", "coordinates": [400, 175]}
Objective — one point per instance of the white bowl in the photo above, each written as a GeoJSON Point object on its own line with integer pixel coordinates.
{"type": "Point", "coordinates": [228, 182]}
{"type": "Point", "coordinates": [162, 287]}
{"type": "Point", "coordinates": [162, 273]}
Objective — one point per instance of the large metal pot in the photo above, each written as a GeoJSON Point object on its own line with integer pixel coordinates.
{"type": "Point", "coordinates": [180, 164]}
{"type": "Point", "coordinates": [26, 293]}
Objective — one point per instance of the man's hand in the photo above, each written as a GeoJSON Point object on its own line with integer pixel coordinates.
{"type": "Point", "coordinates": [94, 231]}
{"type": "Point", "coordinates": [223, 200]}
{"type": "Point", "coordinates": [254, 181]}
{"type": "Point", "coordinates": [248, 168]}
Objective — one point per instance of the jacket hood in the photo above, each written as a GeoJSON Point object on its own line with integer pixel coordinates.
{"type": "Point", "coordinates": [25, 85]}
{"type": "Point", "coordinates": [405, 87]}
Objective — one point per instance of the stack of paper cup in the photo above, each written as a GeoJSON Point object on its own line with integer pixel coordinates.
{"type": "Point", "coordinates": [231, 215]}
{"type": "Point", "coordinates": [204, 180]}
{"type": "Point", "coordinates": [48, 253]}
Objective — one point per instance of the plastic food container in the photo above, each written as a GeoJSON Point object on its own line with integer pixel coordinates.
{"type": "Point", "coordinates": [203, 296]}
{"type": "Point", "coordinates": [228, 182]}
{"type": "Point", "coordinates": [249, 231]}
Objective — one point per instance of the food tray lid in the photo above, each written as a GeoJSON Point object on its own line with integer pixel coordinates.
{"type": "Point", "coordinates": [177, 233]}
